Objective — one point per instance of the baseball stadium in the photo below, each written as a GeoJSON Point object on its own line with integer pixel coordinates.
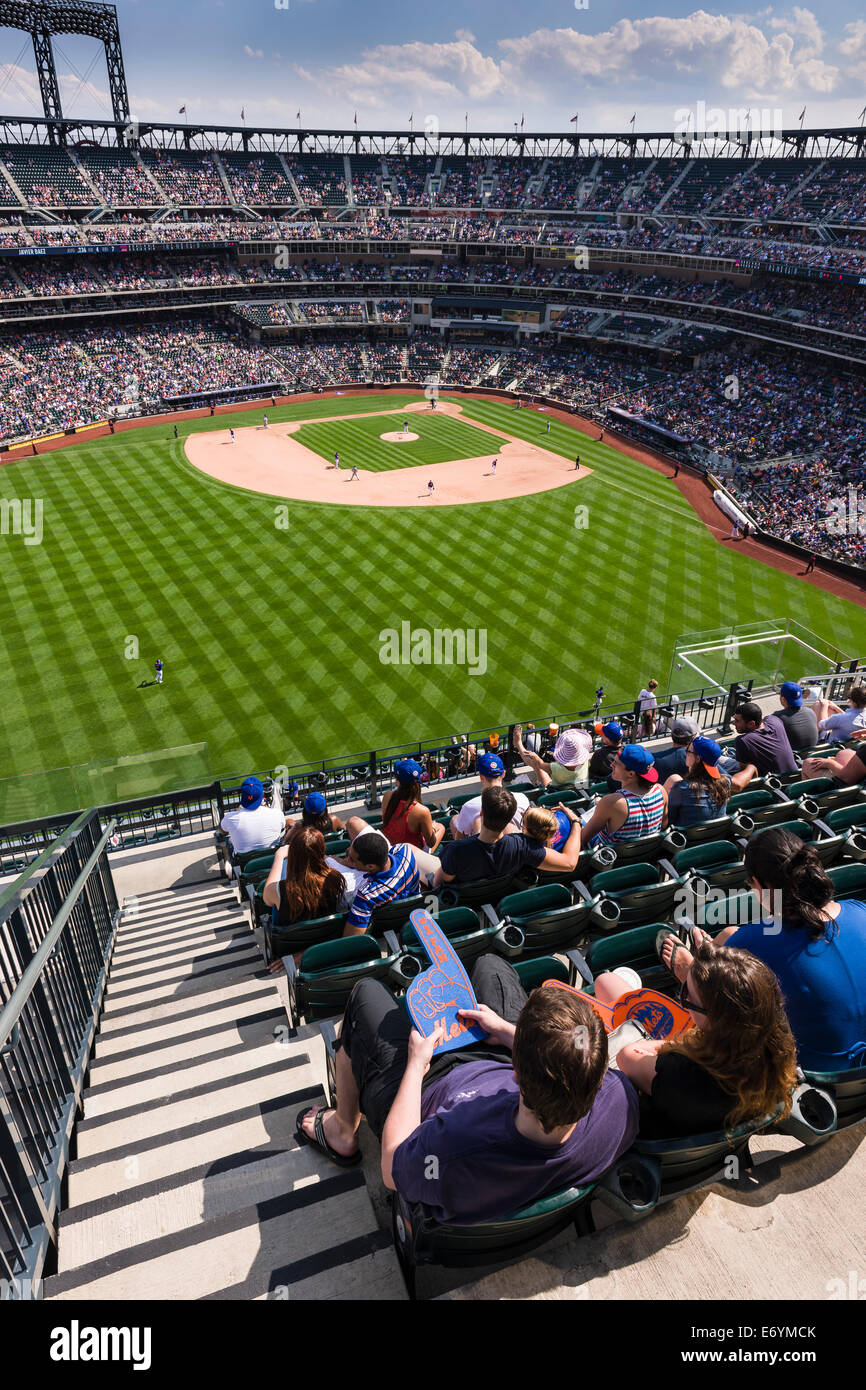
{"type": "Point", "coordinates": [358, 489]}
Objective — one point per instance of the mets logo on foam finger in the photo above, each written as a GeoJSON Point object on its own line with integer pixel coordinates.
{"type": "Point", "coordinates": [655, 1018]}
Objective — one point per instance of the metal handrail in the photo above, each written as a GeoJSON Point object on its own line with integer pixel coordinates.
{"type": "Point", "coordinates": [12, 1011]}
{"type": "Point", "coordinates": [59, 933]}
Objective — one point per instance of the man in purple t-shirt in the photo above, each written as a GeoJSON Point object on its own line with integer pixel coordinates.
{"type": "Point", "coordinates": [478, 1133]}
{"type": "Point", "coordinates": [762, 746]}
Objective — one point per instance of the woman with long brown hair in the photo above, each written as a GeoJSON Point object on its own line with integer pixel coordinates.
{"type": "Point", "coordinates": [704, 792]}
{"type": "Point", "coordinates": [815, 946]}
{"type": "Point", "coordinates": [738, 1063]}
{"type": "Point", "coordinates": [311, 888]}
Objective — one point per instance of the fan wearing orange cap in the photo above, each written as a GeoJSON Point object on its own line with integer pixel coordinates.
{"type": "Point", "coordinates": [704, 791]}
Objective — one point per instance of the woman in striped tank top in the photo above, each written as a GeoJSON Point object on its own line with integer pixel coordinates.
{"type": "Point", "coordinates": [638, 808]}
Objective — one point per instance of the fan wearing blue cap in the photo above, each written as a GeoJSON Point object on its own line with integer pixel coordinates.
{"type": "Point", "coordinates": [704, 792]}
{"type": "Point", "coordinates": [491, 771]}
{"type": "Point", "coordinates": [801, 723]}
{"type": "Point", "coordinates": [405, 819]}
{"type": "Point", "coordinates": [636, 809]}
{"type": "Point", "coordinates": [602, 759]}
{"type": "Point", "coordinates": [314, 813]}
{"type": "Point", "coordinates": [254, 826]}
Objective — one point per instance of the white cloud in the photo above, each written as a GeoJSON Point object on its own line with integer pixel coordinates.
{"type": "Point", "coordinates": [253, 52]}
{"type": "Point", "coordinates": [759, 57]}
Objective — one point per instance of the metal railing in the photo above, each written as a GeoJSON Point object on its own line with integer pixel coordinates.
{"type": "Point", "coordinates": [57, 930]}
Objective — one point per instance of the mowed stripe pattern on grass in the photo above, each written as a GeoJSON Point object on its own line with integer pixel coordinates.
{"type": "Point", "coordinates": [441, 438]}
{"type": "Point", "coordinates": [272, 638]}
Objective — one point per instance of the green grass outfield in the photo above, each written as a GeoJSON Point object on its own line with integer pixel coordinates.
{"type": "Point", "coordinates": [271, 638]}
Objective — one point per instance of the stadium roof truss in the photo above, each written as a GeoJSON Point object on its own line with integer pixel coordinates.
{"type": "Point", "coordinates": [83, 18]}
{"type": "Point", "coordinates": [43, 18]}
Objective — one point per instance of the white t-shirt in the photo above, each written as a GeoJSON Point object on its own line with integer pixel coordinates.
{"type": "Point", "coordinates": [353, 878]}
{"type": "Point", "coordinates": [647, 701]}
{"type": "Point", "coordinates": [845, 724]}
{"type": "Point", "coordinates": [471, 810]}
{"type": "Point", "coordinates": [257, 829]}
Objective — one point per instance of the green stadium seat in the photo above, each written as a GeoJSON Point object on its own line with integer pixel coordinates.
{"type": "Point", "coordinates": [719, 828]}
{"type": "Point", "coordinates": [719, 863]}
{"type": "Point", "coordinates": [420, 1240]}
{"type": "Point", "coordinates": [727, 910]}
{"type": "Point", "coordinates": [848, 1092]}
{"type": "Point", "coordinates": [638, 892]}
{"type": "Point", "coordinates": [320, 986]}
{"type": "Point", "coordinates": [849, 880]}
{"type": "Point", "coordinates": [648, 849]}
{"type": "Point", "coordinates": [817, 833]}
{"type": "Point", "coordinates": [635, 948]}
{"type": "Point", "coordinates": [391, 916]}
{"type": "Point", "coordinates": [551, 917]}
{"type": "Point", "coordinates": [684, 1164]}
{"type": "Point", "coordinates": [823, 792]}
{"type": "Point", "coordinates": [568, 796]}
{"type": "Point", "coordinates": [483, 890]}
{"type": "Point", "coordinates": [850, 823]}
{"type": "Point", "coordinates": [288, 941]}
{"type": "Point", "coordinates": [533, 972]}
{"type": "Point", "coordinates": [759, 806]}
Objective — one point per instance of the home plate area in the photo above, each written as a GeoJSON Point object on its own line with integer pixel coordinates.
{"type": "Point", "coordinates": [271, 461]}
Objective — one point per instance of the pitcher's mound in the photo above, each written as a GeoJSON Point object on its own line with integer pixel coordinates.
{"type": "Point", "coordinates": [398, 436]}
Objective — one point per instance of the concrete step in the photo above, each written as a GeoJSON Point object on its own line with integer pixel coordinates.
{"type": "Point", "coordinates": [175, 963]}
{"type": "Point", "coordinates": [315, 1243]}
{"type": "Point", "coordinates": [206, 1067]}
{"type": "Point", "coordinates": [237, 967]}
{"type": "Point", "coordinates": [265, 1076]}
{"type": "Point", "coordinates": [146, 1029]}
{"type": "Point", "coordinates": [136, 932]}
{"type": "Point", "coordinates": [263, 1117]}
{"type": "Point", "coordinates": [196, 1044]}
{"type": "Point", "coordinates": [177, 947]}
{"type": "Point", "coordinates": [137, 1214]}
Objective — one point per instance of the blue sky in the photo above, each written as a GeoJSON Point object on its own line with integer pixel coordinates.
{"type": "Point", "coordinates": [499, 62]}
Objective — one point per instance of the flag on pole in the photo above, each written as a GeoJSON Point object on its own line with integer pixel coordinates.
{"type": "Point", "coordinates": [802, 115]}
{"type": "Point", "coordinates": [633, 119]}
{"type": "Point", "coordinates": [182, 111]}
{"type": "Point", "coordinates": [573, 119]}
{"type": "Point", "coordinates": [243, 117]}
{"type": "Point", "coordinates": [298, 117]}
{"type": "Point", "coordinates": [522, 119]}
{"type": "Point", "coordinates": [356, 119]}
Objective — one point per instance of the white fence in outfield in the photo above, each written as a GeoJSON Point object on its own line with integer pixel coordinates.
{"type": "Point", "coordinates": [765, 651]}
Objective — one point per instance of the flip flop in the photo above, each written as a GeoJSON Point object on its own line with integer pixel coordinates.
{"type": "Point", "coordinates": [320, 1142]}
{"type": "Point", "coordinates": [661, 938]}
{"type": "Point", "coordinates": [695, 945]}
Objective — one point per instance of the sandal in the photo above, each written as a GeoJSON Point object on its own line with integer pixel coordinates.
{"type": "Point", "coordinates": [661, 938]}
{"type": "Point", "coordinates": [694, 944]}
{"type": "Point", "coordinates": [320, 1142]}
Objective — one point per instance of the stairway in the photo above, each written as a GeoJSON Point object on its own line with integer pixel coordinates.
{"type": "Point", "coordinates": [188, 1182]}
